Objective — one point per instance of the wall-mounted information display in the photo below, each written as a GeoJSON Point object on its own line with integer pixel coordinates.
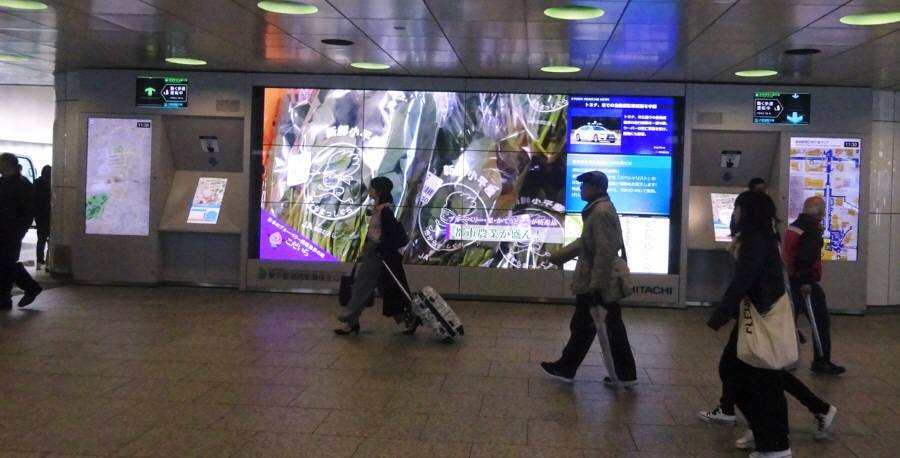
{"type": "Point", "coordinates": [781, 108]}
{"type": "Point", "coordinates": [207, 202]}
{"type": "Point", "coordinates": [829, 167]}
{"type": "Point", "coordinates": [117, 191]}
{"type": "Point", "coordinates": [480, 179]}
{"type": "Point", "coordinates": [722, 208]}
{"type": "Point", "coordinates": [161, 92]}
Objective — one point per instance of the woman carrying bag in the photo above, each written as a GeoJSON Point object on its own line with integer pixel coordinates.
{"type": "Point", "coordinates": [384, 238]}
{"type": "Point", "coordinates": [763, 340]}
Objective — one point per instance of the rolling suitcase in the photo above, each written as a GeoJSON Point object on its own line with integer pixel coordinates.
{"type": "Point", "coordinates": [433, 310]}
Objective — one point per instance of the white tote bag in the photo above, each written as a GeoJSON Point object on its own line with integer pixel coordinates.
{"type": "Point", "coordinates": [768, 341]}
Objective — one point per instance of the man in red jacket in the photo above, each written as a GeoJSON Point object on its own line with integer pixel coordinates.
{"type": "Point", "coordinates": [803, 255]}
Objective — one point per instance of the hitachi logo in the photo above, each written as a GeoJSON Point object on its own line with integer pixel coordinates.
{"type": "Point", "coordinates": [659, 290]}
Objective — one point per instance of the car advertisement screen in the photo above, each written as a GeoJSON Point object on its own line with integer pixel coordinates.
{"type": "Point", "coordinates": [480, 179]}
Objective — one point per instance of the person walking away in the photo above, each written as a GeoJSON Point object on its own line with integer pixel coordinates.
{"type": "Point", "coordinates": [803, 255]}
{"type": "Point", "coordinates": [384, 239]}
{"type": "Point", "coordinates": [596, 250]}
{"type": "Point", "coordinates": [42, 197]}
{"type": "Point", "coordinates": [16, 214]}
{"type": "Point", "coordinates": [758, 277]}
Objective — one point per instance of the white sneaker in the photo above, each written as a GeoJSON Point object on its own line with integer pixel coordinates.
{"type": "Point", "coordinates": [745, 442]}
{"type": "Point", "coordinates": [781, 454]}
{"type": "Point", "coordinates": [717, 416]}
{"type": "Point", "coordinates": [824, 424]}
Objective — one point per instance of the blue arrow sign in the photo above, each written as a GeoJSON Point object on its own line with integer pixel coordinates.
{"type": "Point", "coordinates": [795, 118]}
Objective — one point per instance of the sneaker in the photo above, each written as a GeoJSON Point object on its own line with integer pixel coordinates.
{"type": "Point", "coordinates": [779, 454]}
{"type": "Point", "coordinates": [717, 415]}
{"type": "Point", "coordinates": [826, 368]}
{"type": "Point", "coordinates": [745, 442]}
{"type": "Point", "coordinates": [555, 372]}
{"type": "Point", "coordinates": [29, 297]}
{"type": "Point", "coordinates": [824, 424]}
{"type": "Point", "coordinates": [620, 384]}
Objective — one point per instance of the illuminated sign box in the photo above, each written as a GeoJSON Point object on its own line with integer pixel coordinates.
{"type": "Point", "coordinates": [161, 92]}
{"type": "Point", "coordinates": [781, 108]}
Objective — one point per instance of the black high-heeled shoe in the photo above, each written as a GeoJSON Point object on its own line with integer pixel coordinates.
{"type": "Point", "coordinates": [354, 329]}
{"type": "Point", "coordinates": [411, 329]}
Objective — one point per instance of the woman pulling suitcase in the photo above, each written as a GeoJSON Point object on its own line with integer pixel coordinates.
{"type": "Point", "coordinates": [385, 237]}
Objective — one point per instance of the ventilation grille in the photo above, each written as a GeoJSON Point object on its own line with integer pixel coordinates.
{"type": "Point", "coordinates": [706, 117]}
{"type": "Point", "coordinates": [228, 106]}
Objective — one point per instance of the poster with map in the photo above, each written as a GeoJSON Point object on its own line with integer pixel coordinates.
{"type": "Point", "coordinates": [828, 167]}
{"type": "Point", "coordinates": [117, 188]}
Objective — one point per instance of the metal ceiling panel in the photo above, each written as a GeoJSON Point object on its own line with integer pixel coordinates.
{"type": "Point", "coordinates": [673, 40]}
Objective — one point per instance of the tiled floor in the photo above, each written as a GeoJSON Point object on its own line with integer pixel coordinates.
{"type": "Point", "coordinates": [202, 372]}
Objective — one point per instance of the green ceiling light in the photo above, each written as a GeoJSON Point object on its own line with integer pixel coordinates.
{"type": "Point", "coordinates": [23, 5]}
{"type": "Point", "coordinates": [560, 69]}
{"type": "Point", "coordinates": [889, 17]}
{"type": "Point", "coordinates": [370, 66]}
{"type": "Point", "coordinates": [287, 7]}
{"type": "Point", "coordinates": [758, 73]}
{"type": "Point", "coordinates": [573, 12]}
{"type": "Point", "coordinates": [185, 61]}
{"type": "Point", "coordinates": [12, 58]}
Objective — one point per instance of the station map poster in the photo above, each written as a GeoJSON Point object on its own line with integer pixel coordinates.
{"type": "Point", "coordinates": [828, 167]}
{"type": "Point", "coordinates": [119, 153]}
{"type": "Point", "coordinates": [207, 201]}
{"type": "Point", "coordinates": [480, 179]}
{"type": "Point", "coordinates": [722, 208]}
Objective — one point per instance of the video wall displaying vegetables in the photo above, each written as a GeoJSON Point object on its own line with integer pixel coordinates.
{"type": "Point", "coordinates": [480, 179]}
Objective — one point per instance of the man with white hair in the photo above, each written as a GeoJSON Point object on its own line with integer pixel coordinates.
{"type": "Point", "coordinates": [803, 255]}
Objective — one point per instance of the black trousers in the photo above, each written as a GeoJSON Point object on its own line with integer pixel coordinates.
{"type": "Point", "coordinates": [583, 330]}
{"type": "Point", "coordinates": [12, 271]}
{"type": "Point", "coordinates": [42, 236]}
{"type": "Point", "coordinates": [792, 385]}
{"type": "Point", "coordinates": [821, 315]}
{"type": "Point", "coordinates": [759, 393]}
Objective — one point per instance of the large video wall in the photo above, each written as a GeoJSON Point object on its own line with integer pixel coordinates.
{"type": "Point", "coordinates": [481, 179]}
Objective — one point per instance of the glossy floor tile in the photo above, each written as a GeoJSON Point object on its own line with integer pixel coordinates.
{"type": "Point", "coordinates": [91, 371]}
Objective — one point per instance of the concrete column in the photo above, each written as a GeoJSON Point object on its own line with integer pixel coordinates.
{"type": "Point", "coordinates": [883, 270]}
{"type": "Point", "coordinates": [66, 163]}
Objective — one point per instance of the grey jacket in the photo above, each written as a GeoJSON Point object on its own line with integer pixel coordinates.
{"type": "Point", "coordinates": [596, 249]}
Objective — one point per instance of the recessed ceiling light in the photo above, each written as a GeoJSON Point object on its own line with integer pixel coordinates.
{"type": "Point", "coordinates": [370, 66]}
{"type": "Point", "coordinates": [802, 51]}
{"type": "Point", "coordinates": [337, 42]}
{"type": "Point", "coordinates": [12, 58]}
{"type": "Point", "coordinates": [399, 27]}
{"type": "Point", "coordinates": [573, 12]}
{"type": "Point", "coordinates": [287, 7]}
{"type": "Point", "coordinates": [560, 69]}
{"type": "Point", "coordinates": [185, 61]}
{"type": "Point", "coordinates": [889, 17]}
{"type": "Point", "coordinates": [757, 73]}
{"type": "Point", "coordinates": [23, 5]}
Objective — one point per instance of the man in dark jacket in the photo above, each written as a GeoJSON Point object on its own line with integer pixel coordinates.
{"type": "Point", "coordinates": [42, 197]}
{"type": "Point", "coordinates": [803, 255]}
{"type": "Point", "coordinates": [16, 214]}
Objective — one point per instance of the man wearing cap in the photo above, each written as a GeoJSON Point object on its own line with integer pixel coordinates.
{"type": "Point", "coordinates": [596, 250]}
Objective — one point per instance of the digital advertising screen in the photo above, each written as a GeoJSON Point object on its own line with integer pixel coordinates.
{"type": "Point", "coordinates": [207, 202]}
{"type": "Point", "coordinates": [829, 168]}
{"type": "Point", "coordinates": [480, 179]}
{"type": "Point", "coordinates": [722, 208]}
{"type": "Point", "coordinates": [117, 188]}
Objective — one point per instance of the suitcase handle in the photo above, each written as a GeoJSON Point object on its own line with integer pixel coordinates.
{"type": "Point", "coordinates": [397, 280]}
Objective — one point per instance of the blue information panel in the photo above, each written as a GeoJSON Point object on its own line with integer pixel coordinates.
{"type": "Point", "coordinates": [631, 140]}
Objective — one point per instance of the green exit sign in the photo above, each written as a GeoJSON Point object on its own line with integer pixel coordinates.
{"type": "Point", "coordinates": [161, 92]}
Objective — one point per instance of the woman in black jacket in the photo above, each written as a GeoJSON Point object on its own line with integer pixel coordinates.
{"type": "Point", "coordinates": [759, 277]}
{"type": "Point", "coordinates": [383, 241]}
